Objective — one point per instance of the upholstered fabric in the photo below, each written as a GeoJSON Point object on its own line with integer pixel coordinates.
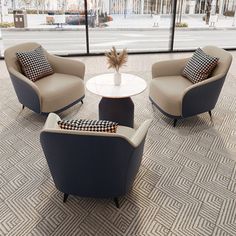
{"type": "Point", "coordinates": [168, 91]}
{"type": "Point", "coordinates": [34, 64]}
{"type": "Point", "coordinates": [58, 90]}
{"type": "Point", "coordinates": [10, 55]}
{"type": "Point", "coordinates": [169, 68]}
{"type": "Point", "coordinates": [93, 164]}
{"type": "Point", "coordinates": [224, 61]}
{"type": "Point", "coordinates": [176, 96]}
{"type": "Point", "coordinates": [52, 93]}
{"type": "Point", "coordinates": [125, 131]}
{"type": "Point", "coordinates": [89, 125]}
{"type": "Point", "coordinates": [66, 65]}
{"type": "Point", "coordinates": [199, 66]}
{"type": "Point", "coordinates": [132, 135]}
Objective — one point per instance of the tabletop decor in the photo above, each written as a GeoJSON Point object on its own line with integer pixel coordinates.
{"type": "Point", "coordinates": [116, 60]}
{"type": "Point", "coordinates": [116, 104]}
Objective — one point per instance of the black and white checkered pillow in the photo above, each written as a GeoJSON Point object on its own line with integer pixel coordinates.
{"type": "Point", "coordinates": [199, 66]}
{"type": "Point", "coordinates": [89, 125]}
{"type": "Point", "coordinates": [34, 64]}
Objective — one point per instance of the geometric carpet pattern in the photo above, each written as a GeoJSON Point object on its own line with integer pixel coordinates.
{"type": "Point", "coordinates": [186, 185]}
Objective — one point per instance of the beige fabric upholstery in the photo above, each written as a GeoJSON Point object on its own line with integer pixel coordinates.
{"type": "Point", "coordinates": [168, 87]}
{"type": "Point", "coordinates": [125, 131]}
{"type": "Point", "coordinates": [10, 55]}
{"type": "Point", "coordinates": [56, 91]}
{"type": "Point", "coordinates": [167, 92]}
{"type": "Point", "coordinates": [224, 62]}
{"type": "Point", "coordinates": [66, 66]}
{"type": "Point", "coordinates": [133, 136]}
{"type": "Point", "coordinates": [168, 68]}
{"type": "Point", "coordinates": [59, 90]}
{"type": "Point", "coordinates": [140, 133]}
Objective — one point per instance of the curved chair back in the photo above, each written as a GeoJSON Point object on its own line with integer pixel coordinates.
{"type": "Point", "coordinates": [90, 164]}
{"type": "Point", "coordinates": [224, 61]}
{"type": "Point", "coordinates": [203, 96]}
{"type": "Point", "coordinates": [10, 55]}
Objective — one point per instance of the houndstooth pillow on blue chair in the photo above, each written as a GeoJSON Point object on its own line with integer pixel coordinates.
{"type": "Point", "coordinates": [89, 125]}
{"type": "Point", "coordinates": [34, 64]}
{"type": "Point", "coordinates": [199, 66]}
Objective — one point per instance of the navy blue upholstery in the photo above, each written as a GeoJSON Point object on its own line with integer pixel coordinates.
{"type": "Point", "coordinates": [202, 98]}
{"type": "Point", "coordinates": [99, 166]}
{"type": "Point", "coordinates": [91, 166]}
{"type": "Point", "coordinates": [25, 94]}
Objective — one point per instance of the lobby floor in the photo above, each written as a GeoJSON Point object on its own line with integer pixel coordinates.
{"type": "Point", "coordinates": [186, 185]}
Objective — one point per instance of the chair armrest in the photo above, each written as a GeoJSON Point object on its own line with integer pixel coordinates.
{"type": "Point", "coordinates": [27, 91]}
{"type": "Point", "coordinates": [24, 79]}
{"type": "Point", "coordinates": [168, 68]}
{"type": "Point", "coordinates": [140, 133]}
{"type": "Point", "coordinates": [67, 66]}
{"type": "Point", "coordinates": [202, 96]}
{"type": "Point", "coordinates": [51, 122]}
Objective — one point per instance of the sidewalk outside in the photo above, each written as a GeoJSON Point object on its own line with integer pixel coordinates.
{"type": "Point", "coordinates": [38, 22]}
{"type": "Point", "coordinates": [193, 21]}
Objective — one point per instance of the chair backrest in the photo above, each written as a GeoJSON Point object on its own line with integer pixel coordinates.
{"type": "Point", "coordinates": [91, 165]}
{"type": "Point", "coordinates": [224, 61]}
{"type": "Point", "coordinates": [203, 96]}
{"type": "Point", "coordinates": [10, 54]}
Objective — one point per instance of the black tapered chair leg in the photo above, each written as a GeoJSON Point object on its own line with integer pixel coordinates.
{"type": "Point", "coordinates": [65, 197]}
{"type": "Point", "coordinates": [23, 106]}
{"type": "Point", "coordinates": [82, 101]}
{"type": "Point", "coordinates": [175, 121]}
{"type": "Point", "coordinates": [117, 202]}
{"type": "Point", "coordinates": [210, 114]}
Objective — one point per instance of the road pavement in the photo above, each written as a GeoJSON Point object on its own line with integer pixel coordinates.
{"type": "Point", "coordinates": [70, 42]}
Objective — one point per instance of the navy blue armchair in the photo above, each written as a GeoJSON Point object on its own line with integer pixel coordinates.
{"type": "Point", "coordinates": [93, 164]}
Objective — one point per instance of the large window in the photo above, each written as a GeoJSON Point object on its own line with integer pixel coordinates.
{"type": "Point", "coordinates": [139, 26]}
{"type": "Point", "coordinates": [205, 22]}
{"type": "Point", "coordinates": [58, 25]}
{"type": "Point", "coordinates": [69, 27]}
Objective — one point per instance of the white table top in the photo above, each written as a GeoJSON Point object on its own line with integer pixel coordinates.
{"type": "Point", "coordinates": [104, 86]}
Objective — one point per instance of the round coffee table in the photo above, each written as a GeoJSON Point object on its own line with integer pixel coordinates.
{"type": "Point", "coordinates": [116, 104]}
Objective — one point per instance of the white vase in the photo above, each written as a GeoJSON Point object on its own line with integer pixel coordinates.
{"type": "Point", "coordinates": [117, 78]}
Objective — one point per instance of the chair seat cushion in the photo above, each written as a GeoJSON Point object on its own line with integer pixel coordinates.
{"type": "Point", "coordinates": [167, 92]}
{"type": "Point", "coordinates": [59, 90]}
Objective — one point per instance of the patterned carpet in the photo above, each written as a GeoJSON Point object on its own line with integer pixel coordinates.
{"type": "Point", "coordinates": [186, 185]}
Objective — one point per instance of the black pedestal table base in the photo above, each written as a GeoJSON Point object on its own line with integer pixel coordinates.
{"type": "Point", "coordinates": [120, 110]}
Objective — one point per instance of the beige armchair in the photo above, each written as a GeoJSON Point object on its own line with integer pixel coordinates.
{"type": "Point", "coordinates": [177, 97]}
{"type": "Point", "coordinates": [52, 93]}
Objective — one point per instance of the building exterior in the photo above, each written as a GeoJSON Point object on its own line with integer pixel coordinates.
{"type": "Point", "coordinates": [122, 6]}
{"type": "Point", "coordinates": [165, 6]}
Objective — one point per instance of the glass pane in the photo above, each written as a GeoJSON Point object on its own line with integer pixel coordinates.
{"type": "Point", "coordinates": [201, 22]}
{"type": "Point", "coordinates": [138, 25]}
{"type": "Point", "coordinates": [59, 25]}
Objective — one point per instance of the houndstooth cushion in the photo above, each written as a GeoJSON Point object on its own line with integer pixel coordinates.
{"type": "Point", "coordinates": [34, 64]}
{"type": "Point", "coordinates": [199, 66]}
{"type": "Point", "coordinates": [89, 125]}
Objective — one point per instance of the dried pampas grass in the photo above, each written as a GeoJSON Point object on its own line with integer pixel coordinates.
{"type": "Point", "coordinates": [115, 59]}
